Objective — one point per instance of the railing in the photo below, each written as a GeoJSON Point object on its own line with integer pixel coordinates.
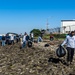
{"type": "Point", "coordinates": [64, 29]}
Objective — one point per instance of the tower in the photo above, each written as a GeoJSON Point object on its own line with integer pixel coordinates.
{"type": "Point", "coordinates": [47, 25]}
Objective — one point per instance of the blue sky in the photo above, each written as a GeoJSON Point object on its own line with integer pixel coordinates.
{"type": "Point", "coordinates": [24, 15]}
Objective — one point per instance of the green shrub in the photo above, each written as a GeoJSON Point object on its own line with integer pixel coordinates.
{"type": "Point", "coordinates": [36, 32]}
{"type": "Point", "coordinates": [59, 35]}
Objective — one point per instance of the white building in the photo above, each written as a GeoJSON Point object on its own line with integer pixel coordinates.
{"type": "Point", "coordinates": [67, 25]}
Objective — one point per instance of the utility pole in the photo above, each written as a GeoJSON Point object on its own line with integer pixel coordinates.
{"type": "Point", "coordinates": [47, 24]}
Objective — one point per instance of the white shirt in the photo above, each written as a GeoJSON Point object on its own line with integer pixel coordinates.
{"type": "Point", "coordinates": [32, 35]}
{"type": "Point", "coordinates": [69, 41]}
{"type": "Point", "coordinates": [11, 37]}
{"type": "Point", "coordinates": [24, 38]}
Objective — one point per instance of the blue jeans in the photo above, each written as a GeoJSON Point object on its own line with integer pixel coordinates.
{"type": "Point", "coordinates": [3, 43]}
{"type": "Point", "coordinates": [24, 44]}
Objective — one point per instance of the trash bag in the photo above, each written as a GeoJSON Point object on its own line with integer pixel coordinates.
{"type": "Point", "coordinates": [29, 44]}
{"type": "Point", "coordinates": [60, 52]}
{"type": "Point", "coordinates": [46, 45]}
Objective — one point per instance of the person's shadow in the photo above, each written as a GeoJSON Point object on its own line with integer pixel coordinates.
{"type": "Point", "coordinates": [57, 60]}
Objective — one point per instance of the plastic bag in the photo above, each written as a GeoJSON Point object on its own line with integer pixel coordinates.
{"type": "Point", "coordinates": [29, 44]}
{"type": "Point", "coordinates": [60, 52]}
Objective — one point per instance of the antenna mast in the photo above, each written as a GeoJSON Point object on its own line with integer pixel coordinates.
{"type": "Point", "coordinates": [47, 24]}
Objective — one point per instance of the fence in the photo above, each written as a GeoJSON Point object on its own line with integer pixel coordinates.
{"type": "Point", "coordinates": [64, 29]}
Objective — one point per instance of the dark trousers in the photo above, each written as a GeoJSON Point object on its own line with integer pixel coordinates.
{"type": "Point", "coordinates": [70, 54]}
{"type": "Point", "coordinates": [12, 42]}
{"type": "Point", "coordinates": [17, 40]}
{"type": "Point", "coordinates": [7, 42]}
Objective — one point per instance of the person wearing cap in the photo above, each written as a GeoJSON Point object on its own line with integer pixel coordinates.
{"type": "Point", "coordinates": [70, 43]}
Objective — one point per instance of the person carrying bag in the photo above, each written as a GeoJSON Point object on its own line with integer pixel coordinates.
{"type": "Point", "coordinates": [70, 43]}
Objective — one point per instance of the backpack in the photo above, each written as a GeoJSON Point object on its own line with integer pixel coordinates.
{"type": "Point", "coordinates": [60, 52]}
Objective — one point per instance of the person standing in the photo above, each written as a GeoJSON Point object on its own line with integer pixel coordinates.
{"type": "Point", "coordinates": [12, 39]}
{"type": "Point", "coordinates": [27, 37]}
{"type": "Point", "coordinates": [70, 43]}
{"type": "Point", "coordinates": [3, 40]}
{"type": "Point", "coordinates": [51, 38]}
{"type": "Point", "coordinates": [24, 40]}
{"type": "Point", "coordinates": [32, 37]}
{"type": "Point", "coordinates": [39, 39]}
{"type": "Point", "coordinates": [7, 39]}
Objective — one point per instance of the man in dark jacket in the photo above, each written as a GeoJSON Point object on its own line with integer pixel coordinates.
{"type": "Point", "coordinates": [27, 37]}
{"type": "Point", "coordinates": [7, 39]}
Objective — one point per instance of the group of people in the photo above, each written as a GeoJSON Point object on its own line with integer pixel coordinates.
{"type": "Point", "coordinates": [69, 41]}
{"type": "Point", "coordinates": [7, 39]}
{"type": "Point", "coordinates": [25, 39]}
{"type": "Point", "coordinates": [11, 39]}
